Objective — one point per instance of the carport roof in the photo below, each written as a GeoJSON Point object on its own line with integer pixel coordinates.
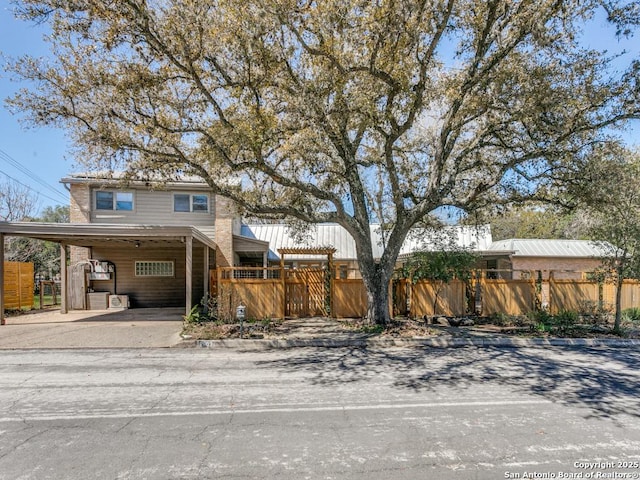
{"type": "Point", "coordinates": [91, 235]}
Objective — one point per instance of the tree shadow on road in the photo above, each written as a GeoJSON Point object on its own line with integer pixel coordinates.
{"type": "Point", "coordinates": [604, 381]}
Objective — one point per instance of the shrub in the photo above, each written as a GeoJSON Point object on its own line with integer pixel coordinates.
{"type": "Point", "coordinates": [540, 317]}
{"type": "Point", "coordinates": [502, 319]}
{"type": "Point", "coordinates": [566, 318]}
{"type": "Point", "coordinates": [631, 315]}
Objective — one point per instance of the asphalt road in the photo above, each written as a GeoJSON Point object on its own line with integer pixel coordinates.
{"type": "Point", "coordinates": [463, 413]}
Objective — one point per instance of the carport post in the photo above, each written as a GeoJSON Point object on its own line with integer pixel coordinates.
{"type": "Point", "coordinates": [206, 273]}
{"type": "Point", "coordinates": [189, 273]}
{"type": "Point", "coordinates": [63, 278]}
{"type": "Point", "coordinates": [2, 320]}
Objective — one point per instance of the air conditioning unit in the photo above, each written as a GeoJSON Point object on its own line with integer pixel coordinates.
{"type": "Point", "coordinates": [118, 302]}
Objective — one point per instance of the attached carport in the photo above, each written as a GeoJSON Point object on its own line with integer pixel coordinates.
{"type": "Point", "coordinates": [113, 237]}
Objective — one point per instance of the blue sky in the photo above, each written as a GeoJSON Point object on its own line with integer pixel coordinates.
{"type": "Point", "coordinates": [44, 150]}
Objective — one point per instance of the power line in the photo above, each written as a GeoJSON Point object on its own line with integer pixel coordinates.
{"type": "Point", "coordinates": [29, 188]}
{"type": "Point", "coordinates": [14, 163]}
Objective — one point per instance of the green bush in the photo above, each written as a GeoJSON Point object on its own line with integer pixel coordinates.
{"type": "Point", "coordinates": [540, 316]}
{"type": "Point", "coordinates": [566, 318]}
{"type": "Point", "coordinates": [503, 320]}
{"type": "Point", "coordinates": [194, 316]}
{"type": "Point", "coordinates": [631, 315]}
{"type": "Point", "coordinates": [205, 311]}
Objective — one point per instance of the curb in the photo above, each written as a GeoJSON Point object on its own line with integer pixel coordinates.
{"type": "Point", "coordinates": [261, 344]}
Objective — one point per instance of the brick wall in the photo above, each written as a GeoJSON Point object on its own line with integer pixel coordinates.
{"type": "Point", "coordinates": [563, 268]}
{"type": "Point", "coordinates": [80, 203]}
{"type": "Point", "coordinates": [79, 212]}
{"type": "Point", "coordinates": [226, 224]}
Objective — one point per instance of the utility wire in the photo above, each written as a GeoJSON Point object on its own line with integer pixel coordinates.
{"type": "Point", "coordinates": [14, 163]}
{"type": "Point", "coordinates": [30, 188]}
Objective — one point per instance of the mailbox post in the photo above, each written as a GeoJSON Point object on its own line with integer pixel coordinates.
{"type": "Point", "coordinates": [240, 316]}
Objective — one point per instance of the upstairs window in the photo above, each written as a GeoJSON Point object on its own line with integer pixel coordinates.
{"type": "Point", "coordinates": [114, 201]}
{"type": "Point", "coordinates": [184, 202]}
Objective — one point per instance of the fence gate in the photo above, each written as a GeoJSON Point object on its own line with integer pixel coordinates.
{"type": "Point", "coordinates": [306, 292]}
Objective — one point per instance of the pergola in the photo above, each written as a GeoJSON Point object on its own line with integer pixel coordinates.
{"type": "Point", "coordinates": [92, 235]}
{"type": "Point", "coordinates": [328, 251]}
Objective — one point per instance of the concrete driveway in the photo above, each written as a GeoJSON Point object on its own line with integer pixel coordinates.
{"type": "Point", "coordinates": [133, 328]}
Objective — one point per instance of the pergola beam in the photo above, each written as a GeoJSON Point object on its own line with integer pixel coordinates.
{"type": "Point", "coordinates": [307, 251]}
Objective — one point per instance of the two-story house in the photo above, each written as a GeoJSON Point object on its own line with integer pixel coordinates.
{"type": "Point", "coordinates": [157, 271]}
{"type": "Point", "coordinates": [151, 244]}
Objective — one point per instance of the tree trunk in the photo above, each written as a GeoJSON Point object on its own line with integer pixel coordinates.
{"type": "Point", "coordinates": [616, 325]}
{"type": "Point", "coordinates": [376, 274]}
{"type": "Point", "coordinates": [376, 281]}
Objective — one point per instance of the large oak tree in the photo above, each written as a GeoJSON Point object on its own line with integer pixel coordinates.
{"type": "Point", "coordinates": [347, 111]}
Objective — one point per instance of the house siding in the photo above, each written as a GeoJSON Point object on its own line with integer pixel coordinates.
{"type": "Point", "coordinates": [152, 291]}
{"type": "Point", "coordinates": [153, 207]}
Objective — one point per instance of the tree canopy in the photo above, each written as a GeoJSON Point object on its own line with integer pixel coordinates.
{"type": "Point", "coordinates": [342, 111]}
{"type": "Point", "coordinates": [612, 205]}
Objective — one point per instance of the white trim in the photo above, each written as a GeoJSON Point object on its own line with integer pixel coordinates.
{"type": "Point", "coordinates": [114, 200]}
{"type": "Point", "coordinates": [191, 198]}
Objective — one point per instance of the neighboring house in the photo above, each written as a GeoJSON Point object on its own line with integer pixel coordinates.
{"type": "Point", "coordinates": [567, 259]}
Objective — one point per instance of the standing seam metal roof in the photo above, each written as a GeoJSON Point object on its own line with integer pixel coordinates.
{"type": "Point", "coordinates": [334, 235]}
{"type": "Point", "coordinates": [551, 248]}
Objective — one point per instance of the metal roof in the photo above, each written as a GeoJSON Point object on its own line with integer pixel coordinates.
{"type": "Point", "coordinates": [551, 248]}
{"type": "Point", "coordinates": [333, 235]}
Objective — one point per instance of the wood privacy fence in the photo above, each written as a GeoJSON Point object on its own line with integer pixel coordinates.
{"type": "Point", "coordinates": [278, 293]}
{"type": "Point", "coordinates": [18, 285]}
{"type": "Point", "coordinates": [586, 296]}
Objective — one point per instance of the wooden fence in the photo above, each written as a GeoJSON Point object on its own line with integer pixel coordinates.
{"type": "Point", "coordinates": [511, 297]}
{"type": "Point", "coordinates": [269, 293]}
{"type": "Point", "coordinates": [349, 298]}
{"type": "Point", "coordinates": [260, 290]}
{"type": "Point", "coordinates": [437, 298]}
{"type": "Point", "coordinates": [586, 296]}
{"type": "Point", "coordinates": [630, 294]}
{"type": "Point", "coordinates": [18, 285]}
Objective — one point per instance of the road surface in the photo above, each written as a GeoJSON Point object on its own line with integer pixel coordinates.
{"type": "Point", "coordinates": [467, 413]}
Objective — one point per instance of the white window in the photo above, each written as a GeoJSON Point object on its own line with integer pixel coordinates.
{"type": "Point", "coordinates": [185, 202]}
{"type": "Point", "coordinates": [154, 268]}
{"type": "Point", "coordinates": [107, 200]}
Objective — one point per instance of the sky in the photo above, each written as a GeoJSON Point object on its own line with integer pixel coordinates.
{"type": "Point", "coordinates": [39, 158]}
{"type": "Point", "coordinates": [41, 151]}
